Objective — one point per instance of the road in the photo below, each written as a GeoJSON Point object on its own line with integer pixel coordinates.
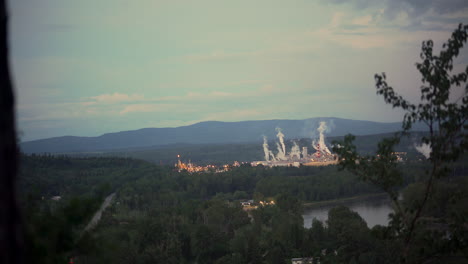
{"type": "Point", "coordinates": [98, 214]}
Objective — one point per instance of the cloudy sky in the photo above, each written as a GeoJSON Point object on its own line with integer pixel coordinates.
{"type": "Point", "coordinates": [93, 66]}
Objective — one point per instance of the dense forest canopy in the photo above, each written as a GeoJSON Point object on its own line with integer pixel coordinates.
{"type": "Point", "coordinates": [160, 214]}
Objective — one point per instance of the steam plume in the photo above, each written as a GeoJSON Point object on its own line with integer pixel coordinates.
{"type": "Point", "coordinates": [265, 148]}
{"type": "Point", "coordinates": [424, 149]}
{"type": "Point", "coordinates": [273, 158]}
{"type": "Point", "coordinates": [281, 139]}
{"type": "Point", "coordinates": [321, 144]}
{"type": "Point", "coordinates": [314, 145]}
{"type": "Point", "coordinates": [295, 151]}
{"type": "Point", "coordinates": [281, 155]}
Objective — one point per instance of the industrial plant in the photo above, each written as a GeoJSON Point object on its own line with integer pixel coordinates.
{"type": "Point", "coordinates": [296, 157]}
{"type": "Point", "coordinates": [320, 156]}
{"type": "Point", "coordinates": [191, 167]}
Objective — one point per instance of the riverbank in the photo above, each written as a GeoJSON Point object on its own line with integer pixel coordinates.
{"type": "Point", "coordinates": [373, 208]}
{"type": "Point", "coordinates": [340, 201]}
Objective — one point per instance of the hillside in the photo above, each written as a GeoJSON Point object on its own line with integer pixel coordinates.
{"type": "Point", "coordinates": [204, 154]}
{"type": "Point", "coordinates": [212, 132]}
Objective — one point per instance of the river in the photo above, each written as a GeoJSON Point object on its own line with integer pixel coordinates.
{"type": "Point", "coordinates": [374, 211]}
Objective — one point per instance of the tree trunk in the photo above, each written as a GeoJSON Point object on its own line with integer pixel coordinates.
{"type": "Point", "coordinates": [10, 227]}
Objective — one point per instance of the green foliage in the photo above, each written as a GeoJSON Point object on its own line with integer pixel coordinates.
{"type": "Point", "coordinates": [52, 230]}
{"type": "Point", "coordinates": [53, 227]}
{"type": "Point", "coordinates": [289, 204]}
{"type": "Point", "coordinates": [349, 232]}
{"type": "Point", "coordinates": [239, 195]}
{"type": "Point", "coordinates": [312, 184]}
{"type": "Point", "coordinates": [423, 232]}
{"type": "Point", "coordinates": [161, 216]}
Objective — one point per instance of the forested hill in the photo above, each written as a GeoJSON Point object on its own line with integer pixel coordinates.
{"type": "Point", "coordinates": [203, 154]}
{"type": "Point", "coordinates": [207, 133]}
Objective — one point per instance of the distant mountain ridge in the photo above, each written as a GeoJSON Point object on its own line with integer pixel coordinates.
{"type": "Point", "coordinates": [209, 132]}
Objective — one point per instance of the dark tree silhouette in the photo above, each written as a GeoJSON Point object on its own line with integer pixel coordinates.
{"type": "Point", "coordinates": [10, 234]}
{"type": "Point", "coordinates": [447, 123]}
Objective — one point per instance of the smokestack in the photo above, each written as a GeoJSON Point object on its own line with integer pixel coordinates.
{"type": "Point", "coordinates": [304, 152]}
{"type": "Point", "coordinates": [265, 149]}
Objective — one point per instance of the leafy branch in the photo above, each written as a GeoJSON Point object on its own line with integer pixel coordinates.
{"type": "Point", "coordinates": [445, 118]}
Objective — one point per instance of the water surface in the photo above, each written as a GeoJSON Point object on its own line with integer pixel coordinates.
{"type": "Point", "coordinates": [373, 211]}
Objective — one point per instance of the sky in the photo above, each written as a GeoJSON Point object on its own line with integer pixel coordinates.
{"type": "Point", "coordinates": [89, 67]}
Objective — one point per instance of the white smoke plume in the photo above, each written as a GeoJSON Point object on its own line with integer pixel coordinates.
{"type": "Point", "coordinates": [281, 139]}
{"type": "Point", "coordinates": [295, 151]}
{"type": "Point", "coordinates": [424, 149]}
{"type": "Point", "coordinates": [315, 145]}
{"type": "Point", "coordinates": [280, 155]}
{"type": "Point", "coordinates": [322, 127]}
{"type": "Point", "coordinates": [321, 143]}
{"type": "Point", "coordinates": [273, 158]}
{"type": "Point", "coordinates": [265, 149]}
{"type": "Point", "coordinates": [330, 126]}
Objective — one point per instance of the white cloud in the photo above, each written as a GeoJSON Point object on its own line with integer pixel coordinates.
{"type": "Point", "coordinates": [370, 31]}
{"type": "Point", "coordinates": [141, 108]}
{"type": "Point", "coordinates": [117, 97]}
{"type": "Point", "coordinates": [214, 95]}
